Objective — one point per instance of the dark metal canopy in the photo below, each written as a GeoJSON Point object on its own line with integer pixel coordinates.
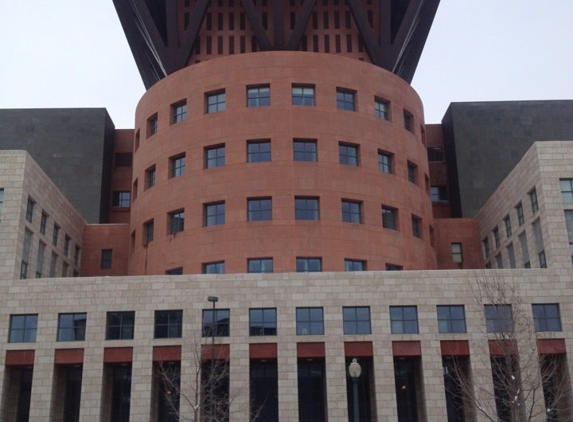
{"type": "Point", "coordinates": [161, 48]}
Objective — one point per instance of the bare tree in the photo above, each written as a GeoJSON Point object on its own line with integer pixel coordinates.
{"type": "Point", "coordinates": [527, 386]}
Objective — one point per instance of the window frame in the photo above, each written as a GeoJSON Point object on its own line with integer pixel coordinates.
{"type": "Point", "coordinates": [256, 211]}
{"type": "Point", "coordinates": [412, 172]}
{"type": "Point", "coordinates": [214, 214]}
{"type": "Point", "coordinates": [215, 101]}
{"type": "Point", "coordinates": [311, 324]}
{"type": "Point", "coordinates": [305, 209]}
{"type": "Point", "coordinates": [262, 264]}
{"type": "Point", "coordinates": [354, 265]}
{"type": "Point", "coordinates": [494, 324]}
{"type": "Point", "coordinates": [457, 253]}
{"type": "Point", "coordinates": [76, 333]}
{"type": "Point", "coordinates": [106, 261]}
{"type": "Point", "coordinates": [152, 125]}
{"type": "Point", "coordinates": [215, 156]}
{"type": "Point", "coordinates": [345, 99]}
{"type": "Point", "coordinates": [408, 121]}
{"type": "Point", "coordinates": [259, 156]}
{"type": "Point", "coordinates": [401, 323]}
{"type": "Point", "coordinates": [449, 323]}
{"type": "Point", "coordinates": [351, 323]}
{"type": "Point", "coordinates": [533, 200]}
{"type": "Point", "coordinates": [28, 330]}
{"type": "Point", "coordinates": [256, 99]}
{"type": "Point", "coordinates": [520, 215]}
{"type": "Point", "coordinates": [170, 321]}
{"type": "Point", "coordinates": [217, 266]}
{"type": "Point", "coordinates": [148, 231]}
{"type": "Point", "coordinates": [389, 217]}
{"type": "Point", "coordinates": [417, 226]}
{"type": "Point", "coordinates": [308, 264]}
{"type": "Point", "coordinates": [121, 199]}
{"type": "Point", "coordinates": [150, 177]}
{"type": "Point", "coordinates": [125, 325]}
{"type": "Point", "coordinates": [304, 154]}
{"type": "Point", "coordinates": [30, 205]}
{"type": "Point", "coordinates": [351, 211]}
{"type": "Point", "coordinates": [216, 328]}
{"type": "Point", "coordinates": [179, 112]}
{"type": "Point", "coordinates": [305, 98]}
{"type": "Point", "coordinates": [382, 108]}
{"type": "Point", "coordinates": [177, 165]}
{"type": "Point", "coordinates": [566, 187]}
{"type": "Point", "coordinates": [349, 154]}
{"type": "Point", "coordinates": [176, 221]}
{"type": "Point", "coordinates": [541, 318]}
{"type": "Point", "coordinates": [268, 320]}
{"type": "Point", "coordinates": [385, 162]}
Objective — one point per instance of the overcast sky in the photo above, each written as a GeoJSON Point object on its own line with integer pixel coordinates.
{"type": "Point", "coordinates": [73, 53]}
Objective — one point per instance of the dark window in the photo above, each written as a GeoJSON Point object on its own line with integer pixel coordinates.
{"type": "Point", "coordinates": [354, 265]}
{"type": "Point", "coordinates": [258, 151]}
{"type": "Point", "coordinates": [260, 209]}
{"type": "Point", "coordinates": [485, 247]}
{"type": "Point", "coordinates": [168, 324]}
{"type": "Point", "coordinates": [351, 212]}
{"type": "Point", "coordinates": [304, 150]}
{"type": "Point", "coordinates": [260, 265]}
{"type": "Point", "coordinates": [30, 210]}
{"type": "Point", "coordinates": [309, 321]}
{"type": "Point", "coordinates": [546, 317]}
{"type": "Point", "coordinates": [150, 177]}
{"type": "Point", "coordinates": [457, 253]}
{"type": "Point", "coordinates": [496, 240]}
{"type": "Point", "coordinates": [381, 108]}
{"type": "Point", "coordinates": [214, 268]}
{"type": "Point", "coordinates": [121, 199]}
{"type": "Point", "coordinates": [152, 125]}
{"type": "Point", "coordinates": [179, 112]}
{"type": "Point", "coordinates": [533, 199]}
{"type": "Point", "coordinates": [308, 265]}
{"type": "Point", "coordinates": [345, 99]}
{"type": "Point", "coordinates": [385, 162]}
{"type": "Point", "coordinates": [439, 193]}
{"type": "Point", "coordinates": [67, 241]}
{"type": "Point", "coordinates": [389, 218]}
{"type": "Point", "coordinates": [55, 235]}
{"type": "Point", "coordinates": [259, 96]}
{"type": "Point", "coordinates": [148, 229]}
{"type": "Point", "coordinates": [408, 121]}
{"type": "Point", "coordinates": [2, 200]}
{"type": "Point", "coordinates": [216, 323]}
{"type": "Point", "coordinates": [72, 327]}
{"type": "Point", "coordinates": [404, 319]}
{"type": "Point", "coordinates": [106, 259]}
{"type": "Point", "coordinates": [524, 250]}
{"type": "Point", "coordinates": [507, 223]}
{"type": "Point", "coordinates": [311, 390]}
{"type": "Point", "coordinates": [520, 216]}
{"type": "Point", "coordinates": [356, 320]}
{"type": "Point", "coordinates": [566, 190]}
{"type": "Point", "coordinates": [120, 325]}
{"type": "Point", "coordinates": [451, 319]}
{"type": "Point", "coordinates": [176, 221]}
{"type": "Point", "coordinates": [175, 271]}
{"type": "Point", "coordinates": [306, 209]}
{"type": "Point", "coordinates": [416, 227]}
{"type": "Point", "coordinates": [263, 322]}
{"type": "Point", "coordinates": [214, 156]}
{"type": "Point", "coordinates": [393, 267]}
{"type": "Point", "coordinates": [303, 95]}
{"type": "Point", "coordinates": [412, 172]}
{"type": "Point", "coordinates": [23, 328]}
{"type": "Point", "coordinates": [177, 165]}
{"type": "Point", "coordinates": [348, 154]}
{"type": "Point", "coordinates": [215, 102]}
{"type": "Point", "coordinates": [498, 318]}
{"type": "Point", "coordinates": [43, 219]}
{"type": "Point", "coordinates": [214, 213]}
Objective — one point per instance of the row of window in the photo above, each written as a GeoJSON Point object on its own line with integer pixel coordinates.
{"type": "Point", "coordinates": [260, 96]}
{"type": "Point", "coordinates": [263, 322]}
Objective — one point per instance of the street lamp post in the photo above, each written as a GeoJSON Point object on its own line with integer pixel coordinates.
{"type": "Point", "coordinates": [355, 370]}
{"type": "Point", "coordinates": [214, 300]}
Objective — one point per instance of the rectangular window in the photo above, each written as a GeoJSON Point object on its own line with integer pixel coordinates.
{"type": "Point", "coordinates": [72, 327]}
{"type": "Point", "coordinates": [499, 261]}
{"type": "Point", "coordinates": [40, 259]}
{"type": "Point", "coordinates": [309, 321]}
{"type": "Point", "coordinates": [485, 247]}
{"type": "Point", "coordinates": [214, 268]}
{"type": "Point", "coordinates": [215, 102]}
{"type": "Point", "coordinates": [106, 259]}
{"type": "Point", "coordinates": [416, 227]}
{"type": "Point", "coordinates": [351, 211]}
{"type": "Point", "coordinates": [304, 150]}
{"type": "Point", "coordinates": [259, 209]}
{"type": "Point", "coordinates": [150, 177]}
{"type": "Point", "coordinates": [175, 271]}
{"type": "Point", "coordinates": [308, 265]}
{"type": "Point", "coordinates": [260, 265]}
{"type": "Point", "coordinates": [179, 112]}
{"type": "Point", "coordinates": [569, 225]}
{"type": "Point", "coordinates": [23, 328]}
{"type": "Point", "coordinates": [53, 263]}
{"type": "Point", "coordinates": [533, 200]}
{"type": "Point", "coordinates": [354, 265]}
{"type": "Point", "coordinates": [30, 209]}
{"type": "Point", "coordinates": [404, 319]}
{"type": "Point", "coordinates": [176, 221]}
{"type": "Point", "coordinates": [177, 165]}
{"type": "Point", "coordinates": [519, 211]}
{"type": "Point", "coordinates": [259, 96]}
{"type": "Point", "coordinates": [168, 324]}
{"type": "Point", "coordinates": [214, 214]}
{"type": "Point", "coordinates": [258, 151]}
{"type": "Point", "coordinates": [498, 318]}
{"type": "Point", "coordinates": [408, 121]}
{"type": "Point", "coordinates": [495, 233]}
{"type": "Point", "coordinates": [214, 156]}
{"type": "Point", "coordinates": [121, 199]}
{"type": "Point", "coordinates": [152, 125]}
{"type": "Point", "coordinates": [539, 243]}
{"type": "Point", "coordinates": [216, 322]}
{"type": "Point", "coordinates": [507, 223]}
{"type": "Point", "coordinates": [524, 250]}
{"type": "Point", "coordinates": [345, 99]}
{"type": "Point", "coordinates": [511, 255]}
{"type": "Point", "coordinates": [356, 320]}
{"type": "Point", "coordinates": [546, 317]}
{"type": "Point", "coordinates": [439, 193]}
{"type": "Point", "coordinates": [77, 252]}
{"type": "Point", "coordinates": [67, 241]}
{"type": "Point", "coordinates": [43, 222]}
{"type": "Point", "coordinates": [566, 190]}
{"type": "Point", "coordinates": [120, 325]}
{"type": "Point", "coordinates": [303, 95]}
{"type": "Point", "coordinates": [306, 208]}
{"type": "Point", "coordinates": [26, 249]}
{"type": "Point", "coordinates": [65, 268]}
{"type": "Point", "coordinates": [451, 319]}
{"type": "Point", "coordinates": [2, 200]}
{"type": "Point", "coordinates": [457, 253]}
{"type": "Point", "coordinates": [393, 267]}
{"type": "Point", "coordinates": [148, 229]}
{"type": "Point", "coordinates": [262, 322]}
{"type": "Point", "coordinates": [381, 108]}
{"type": "Point", "coordinates": [385, 160]}
{"type": "Point", "coordinates": [412, 172]}
{"type": "Point", "coordinates": [348, 154]}
{"type": "Point", "coordinates": [389, 218]}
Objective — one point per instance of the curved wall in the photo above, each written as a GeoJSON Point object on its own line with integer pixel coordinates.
{"type": "Point", "coordinates": [283, 238]}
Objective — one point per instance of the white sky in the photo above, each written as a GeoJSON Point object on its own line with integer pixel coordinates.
{"type": "Point", "coordinates": [73, 53]}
